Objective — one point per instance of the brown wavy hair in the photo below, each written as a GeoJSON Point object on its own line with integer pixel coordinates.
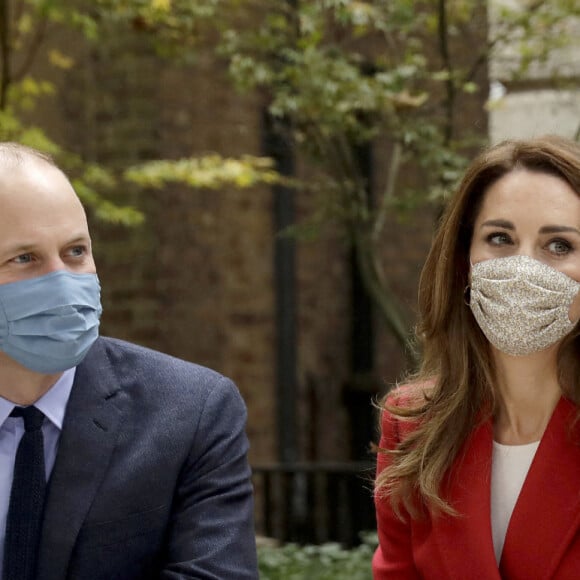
{"type": "Point", "coordinates": [454, 388]}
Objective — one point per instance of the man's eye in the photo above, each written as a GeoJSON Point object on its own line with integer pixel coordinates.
{"type": "Point", "coordinates": [78, 251]}
{"type": "Point", "coordinates": [23, 259]}
{"type": "Point", "coordinates": [499, 238]}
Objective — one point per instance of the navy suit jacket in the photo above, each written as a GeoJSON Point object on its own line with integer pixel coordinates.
{"type": "Point", "coordinates": [151, 477]}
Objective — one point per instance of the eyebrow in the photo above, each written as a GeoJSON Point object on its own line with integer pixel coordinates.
{"type": "Point", "coordinates": [549, 229]}
{"type": "Point", "coordinates": [19, 249]}
{"type": "Point", "coordinates": [498, 224]}
{"type": "Point", "coordinates": [26, 248]}
{"type": "Point", "coordinates": [558, 229]}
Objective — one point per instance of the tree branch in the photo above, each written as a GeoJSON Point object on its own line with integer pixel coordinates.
{"type": "Point", "coordinates": [443, 30]}
{"type": "Point", "coordinates": [381, 293]}
{"type": "Point", "coordinates": [6, 76]}
{"type": "Point", "coordinates": [389, 191]}
{"type": "Point", "coordinates": [35, 44]}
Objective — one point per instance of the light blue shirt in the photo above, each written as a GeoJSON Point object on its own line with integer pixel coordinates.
{"type": "Point", "coordinates": [53, 404]}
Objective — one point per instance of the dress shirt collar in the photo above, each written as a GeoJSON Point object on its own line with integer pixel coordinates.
{"type": "Point", "coordinates": [52, 403]}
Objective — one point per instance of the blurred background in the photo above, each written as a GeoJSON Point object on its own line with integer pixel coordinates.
{"type": "Point", "coordinates": [263, 178]}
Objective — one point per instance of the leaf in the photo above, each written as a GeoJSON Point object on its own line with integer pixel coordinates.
{"type": "Point", "coordinates": [470, 88]}
{"type": "Point", "coordinates": [106, 210]}
{"type": "Point", "coordinates": [161, 5]}
{"type": "Point", "coordinates": [59, 60]}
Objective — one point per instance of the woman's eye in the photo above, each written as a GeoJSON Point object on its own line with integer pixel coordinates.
{"type": "Point", "coordinates": [499, 239]}
{"type": "Point", "coordinates": [559, 247]}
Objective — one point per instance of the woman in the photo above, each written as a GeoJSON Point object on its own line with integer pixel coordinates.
{"type": "Point", "coordinates": [486, 434]}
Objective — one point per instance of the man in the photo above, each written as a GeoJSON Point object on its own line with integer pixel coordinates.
{"type": "Point", "coordinates": [144, 454]}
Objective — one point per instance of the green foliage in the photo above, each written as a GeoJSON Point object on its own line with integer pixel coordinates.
{"type": "Point", "coordinates": [325, 562]}
{"type": "Point", "coordinates": [341, 73]}
{"type": "Point", "coordinates": [176, 27]}
{"type": "Point", "coordinates": [532, 30]}
{"type": "Point", "coordinates": [210, 172]}
{"type": "Point", "coordinates": [104, 209]}
{"type": "Point", "coordinates": [320, 81]}
{"type": "Point", "coordinates": [12, 129]}
{"type": "Point", "coordinates": [96, 185]}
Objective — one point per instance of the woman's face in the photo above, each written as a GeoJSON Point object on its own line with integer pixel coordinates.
{"type": "Point", "coordinates": [532, 214]}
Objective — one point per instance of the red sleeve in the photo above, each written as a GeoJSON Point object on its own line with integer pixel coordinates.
{"type": "Point", "coordinates": [393, 558]}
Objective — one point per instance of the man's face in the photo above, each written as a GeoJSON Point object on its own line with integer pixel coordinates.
{"type": "Point", "coordinates": [43, 227]}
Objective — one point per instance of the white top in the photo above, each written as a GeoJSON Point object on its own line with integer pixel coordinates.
{"type": "Point", "coordinates": [509, 468]}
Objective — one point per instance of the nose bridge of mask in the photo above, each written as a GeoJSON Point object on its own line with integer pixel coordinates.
{"type": "Point", "coordinates": [527, 270]}
{"type": "Point", "coordinates": [537, 286]}
{"type": "Point", "coordinates": [58, 294]}
{"type": "Point", "coordinates": [59, 289]}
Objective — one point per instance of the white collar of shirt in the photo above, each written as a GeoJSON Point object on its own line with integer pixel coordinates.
{"type": "Point", "coordinates": [53, 403]}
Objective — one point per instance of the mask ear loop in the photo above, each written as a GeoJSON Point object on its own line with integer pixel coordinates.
{"type": "Point", "coordinates": [467, 290]}
{"type": "Point", "coordinates": [467, 295]}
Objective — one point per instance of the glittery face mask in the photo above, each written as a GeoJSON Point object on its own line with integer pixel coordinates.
{"type": "Point", "coordinates": [521, 305]}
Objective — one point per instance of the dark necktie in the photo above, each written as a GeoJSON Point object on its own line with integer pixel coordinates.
{"type": "Point", "coordinates": [26, 499]}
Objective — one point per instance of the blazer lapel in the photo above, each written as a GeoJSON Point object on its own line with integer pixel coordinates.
{"type": "Point", "coordinates": [468, 487]}
{"type": "Point", "coordinates": [87, 440]}
{"type": "Point", "coordinates": [547, 514]}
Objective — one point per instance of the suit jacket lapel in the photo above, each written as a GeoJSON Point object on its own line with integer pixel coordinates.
{"type": "Point", "coordinates": [87, 440]}
{"type": "Point", "coordinates": [468, 487]}
{"type": "Point", "coordinates": [547, 514]}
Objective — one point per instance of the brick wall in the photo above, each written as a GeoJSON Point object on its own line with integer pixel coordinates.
{"type": "Point", "coordinates": [196, 280]}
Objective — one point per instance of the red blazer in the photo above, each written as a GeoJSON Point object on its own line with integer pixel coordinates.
{"type": "Point", "coordinates": [543, 537]}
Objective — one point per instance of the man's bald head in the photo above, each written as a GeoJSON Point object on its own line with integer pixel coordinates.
{"type": "Point", "coordinates": [14, 154]}
{"type": "Point", "coordinates": [43, 226]}
{"type": "Point", "coordinates": [17, 159]}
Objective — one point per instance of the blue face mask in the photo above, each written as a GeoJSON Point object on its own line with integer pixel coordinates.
{"type": "Point", "coordinates": [48, 324]}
